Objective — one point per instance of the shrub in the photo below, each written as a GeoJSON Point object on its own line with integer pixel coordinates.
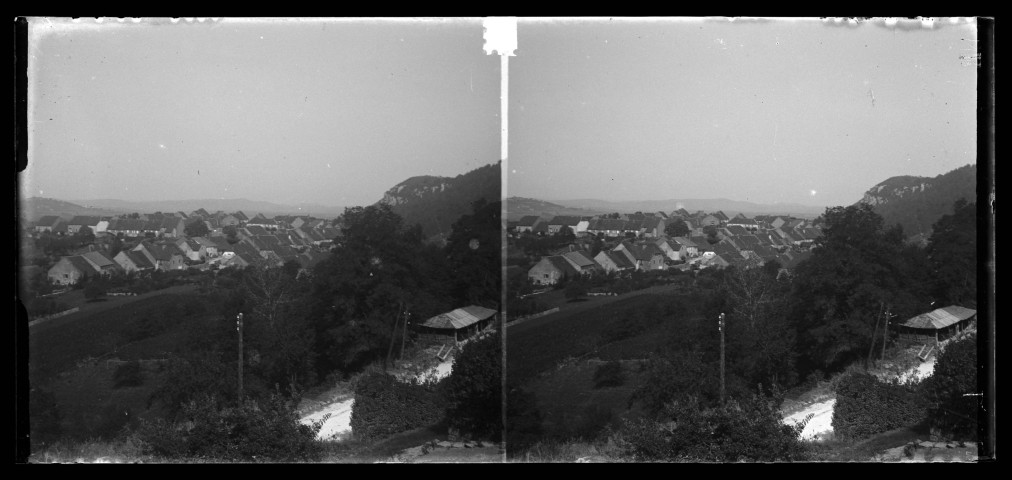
{"type": "Point", "coordinates": [255, 431]}
{"type": "Point", "coordinates": [474, 388]}
{"type": "Point", "coordinates": [385, 406]}
{"type": "Point", "coordinates": [94, 291]}
{"type": "Point", "coordinates": [609, 375]}
{"type": "Point", "coordinates": [575, 290]}
{"type": "Point", "coordinates": [955, 374]}
{"type": "Point", "coordinates": [865, 406]}
{"type": "Point", "coordinates": [40, 307]}
{"type": "Point", "coordinates": [128, 374]}
{"type": "Point", "coordinates": [742, 430]}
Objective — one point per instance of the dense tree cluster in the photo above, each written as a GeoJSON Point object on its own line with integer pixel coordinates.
{"type": "Point", "coordinates": [860, 272]}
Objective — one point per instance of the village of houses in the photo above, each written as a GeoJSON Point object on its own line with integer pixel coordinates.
{"type": "Point", "coordinates": [639, 242]}
{"type": "Point", "coordinates": [158, 242]}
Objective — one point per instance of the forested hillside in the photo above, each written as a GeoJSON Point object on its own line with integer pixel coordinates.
{"type": "Point", "coordinates": [436, 202]}
{"type": "Point", "coordinates": [915, 203]}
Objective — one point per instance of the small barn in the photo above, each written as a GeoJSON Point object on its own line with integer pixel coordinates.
{"type": "Point", "coordinates": [939, 324]}
{"type": "Point", "coordinates": [460, 324]}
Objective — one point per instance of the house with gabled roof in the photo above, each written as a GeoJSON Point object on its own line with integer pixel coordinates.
{"type": "Point", "coordinates": [207, 247]}
{"type": "Point", "coordinates": [551, 270]}
{"type": "Point", "coordinates": [96, 224]}
{"type": "Point", "coordinates": [527, 223]}
{"type": "Point", "coordinates": [101, 263]}
{"type": "Point", "coordinates": [652, 227]}
{"type": "Point", "coordinates": [172, 227]}
{"type": "Point", "coordinates": [47, 223]}
{"type": "Point", "coordinates": [133, 261]}
{"type": "Point", "coordinates": [709, 221]}
{"type": "Point", "coordinates": [70, 270]}
{"type": "Point", "coordinates": [609, 227]}
{"type": "Point", "coordinates": [261, 221]}
{"type": "Point", "coordinates": [793, 223]}
{"type": "Point", "coordinates": [744, 222]}
{"type": "Point", "coordinates": [190, 248]}
{"type": "Point", "coordinates": [611, 261]}
{"type": "Point", "coordinates": [581, 261]}
{"type": "Point", "coordinates": [128, 227]}
{"type": "Point", "coordinates": [666, 246]}
{"type": "Point", "coordinates": [559, 222]}
{"type": "Point", "coordinates": [686, 247]}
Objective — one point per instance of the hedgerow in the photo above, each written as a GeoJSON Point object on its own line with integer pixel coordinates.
{"type": "Point", "coordinates": [749, 429]}
{"type": "Point", "coordinates": [385, 406]}
{"type": "Point", "coordinates": [255, 431]}
{"type": "Point", "coordinates": [865, 406]}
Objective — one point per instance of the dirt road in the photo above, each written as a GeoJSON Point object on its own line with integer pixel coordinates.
{"type": "Point", "coordinates": [338, 425]}
{"type": "Point", "coordinates": [821, 424]}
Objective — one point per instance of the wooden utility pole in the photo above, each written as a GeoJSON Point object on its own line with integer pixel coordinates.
{"type": "Point", "coordinates": [404, 337]}
{"type": "Point", "coordinates": [393, 339]}
{"type": "Point", "coordinates": [238, 327]}
{"type": "Point", "coordinates": [874, 334]}
{"type": "Point", "coordinates": [721, 328]}
{"type": "Point", "coordinates": [885, 330]}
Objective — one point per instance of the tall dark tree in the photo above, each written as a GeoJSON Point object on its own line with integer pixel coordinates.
{"type": "Point", "coordinates": [677, 228]}
{"type": "Point", "coordinates": [858, 270]}
{"type": "Point", "coordinates": [361, 292]}
{"type": "Point", "coordinates": [951, 409]}
{"type": "Point", "coordinates": [474, 255]}
{"type": "Point", "coordinates": [760, 337]}
{"type": "Point", "coordinates": [474, 389]}
{"type": "Point", "coordinates": [196, 228]}
{"type": "Point", "coordinates": [952, 249]}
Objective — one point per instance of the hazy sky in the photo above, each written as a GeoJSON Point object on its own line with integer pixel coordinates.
{"type": "Point", "coordinates": [329, 112]}
{"type": "Point", "coordinates": [808, 112]}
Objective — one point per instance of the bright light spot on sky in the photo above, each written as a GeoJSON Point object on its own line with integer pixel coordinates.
{"type": "Point", "coordinates": [813, 193]}
{"type": "Point", "coordinates": [161, 146]}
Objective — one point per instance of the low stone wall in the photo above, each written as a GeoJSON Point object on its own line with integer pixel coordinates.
{"type": "Point", "coordinates": [50, 317]}
{"type": "Point", "coordinates": [532, 317]}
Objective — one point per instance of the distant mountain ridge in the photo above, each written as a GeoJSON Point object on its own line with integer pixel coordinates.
{"type": "Point", "coordinates": [249, 207]}
{"type": "Point", "coordinates": [518, 207]}
{"type": "Point", "coordinates": [436, 203]}
{"type": "Point", "coordinates": [916, 203]}
{"type": "Point", "coordinates": [33, 208]}
{"type": "Point", "coordinates": [730, 207]}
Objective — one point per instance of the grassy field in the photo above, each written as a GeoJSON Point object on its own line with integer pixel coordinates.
{"type": "Point", "coordinates": [74, 358]}
{"type": "Point", "coordinates": [75, 298]}
{"type": "Point", "coordinates": [58, 346]}
{"type": "Point", "coordinates": [538, 345]}
{"type": "Point", "coordinates": [572, 407]}
{"type": "Point", "coordinates": [92, 407]}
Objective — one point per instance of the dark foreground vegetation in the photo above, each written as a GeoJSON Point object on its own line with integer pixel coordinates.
{"type": "Point", "coordinates": [301, 329]}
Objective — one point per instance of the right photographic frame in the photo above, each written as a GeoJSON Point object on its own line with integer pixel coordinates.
{"type": "Point", "coordinates": [749, 240]}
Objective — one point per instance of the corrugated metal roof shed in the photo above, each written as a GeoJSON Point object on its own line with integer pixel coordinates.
{"type": "Point", "coordinates": [460, 318]}
{"type": "Point", "coordinates": [941, 318]}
